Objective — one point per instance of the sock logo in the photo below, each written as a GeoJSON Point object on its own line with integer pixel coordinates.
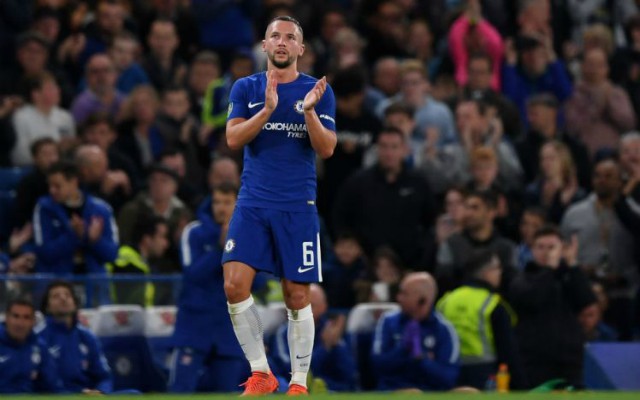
{"type": "Point", "coordinates": [300, 358]}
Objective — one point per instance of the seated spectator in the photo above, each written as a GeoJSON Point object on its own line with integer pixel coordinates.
{"type": "Point", "coordinates": [101, 95]}
{"type": "Point", "coordinates": [384, 283]}
{"type": "Point", "coordinates": [123, 51]}
{"type": "Point", "coordinates": [594, 328]}
{"type": "Point", "coordinates": [163, 65]}
{"type": "Point", "coordinates": [598, 111]}
{"type": "Point", "coordinates": [556, 187]}
{"type": "Point", "coordinates": [331, 359]}
{"type": "Point", "coordinates": [415, 348]}
{"type": "Point", "coordinates": [27, 365]}
{"type": "Point", "coordinates": [42, 117]}
{"type": "Point", "coordinates": [75, 233]}
{"type": "Point", "coordinates": [204, 337]}
{"type": "Point", "coordinates": [223, 169]}
{"type": "Point", "coordinates": [149, 242]}
{"type": "Point", "coordinates": [75, 350]}
{"type": "Point", "coordinates": [343, 270]}
{"type": "Point", "coordinates": [45, 153]}
{"type": "Point", "coordinates": [547, 297]}
{"type": "Point", "coordinates": [533, 218]}
{"type": "Point", "coordinates": [484, 322]}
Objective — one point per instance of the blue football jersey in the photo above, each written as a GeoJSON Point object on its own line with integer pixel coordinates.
{"type": "Point", "coordinates": [279, 163]}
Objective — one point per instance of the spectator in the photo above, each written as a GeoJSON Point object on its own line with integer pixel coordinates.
{"type": "Point", "coordinates": [400, 214]}
{"type": "Point", "coordinates": [533, 218]}
{"type": "Point", "coordinates": [28, 366]}
{"type": "Point", "coordinates": [598, 111]}
{"type": "Point", "coordinates": [101, 94]}
{"type": "Point", "coordinates": [223, 169]}
{"type": "Point", "coordinates": [150, 241]}
{"type": "Point", "coordinates": [343, 271]}
{"type": "Point", "coordinates": [542, 118]}
{"type": "Point", "coordinates": [385, 31]}
{"type": "Point", "coordinates": [332, 21]}
{"type": "Point", "coordinates": [163, 65]}
{"type": "Point", "coordinates": [625, 62]}
{"type": "Point", "coordinates": [346, 49]}
{"type": "Point", "coordinates": [204, 69]}
{"type": "Point", "coordinates": [75, 350]}
{"type": "Point", "coordinates": [556, 187]}
{"type": "Point", "coordinates": [384, 283]}
{"type": "Point", "coordinates": [471, 33]}
{"type": "Point", "coordinates": [189, 190]}
{"type": "Point", "coordinates": [45, 153]}
{"type": "Point", "coordinates": [484, 322]}
{"type": "Point", "coordinates": [123, 50]}
{"type": "Point", "coordinates": [531, 67]}
{"type": "Point", "coordinates": [75, 233]}
{"type": "Point", "coordinates": [386, 76]}
{"type": "Point", "coordinates": [332, 359]}
{"type": "Point", "coordinates": [596, 330]}
{"type": "Point", "coordinates": [420, 45]}
{"type": "Point", "coordinates": [17, 261]}
{"type": "Point", "coordinates": [416, 348]}
{"type": "Point", "coordinates": [42, 117]}
{"type": "Point", "coordinates": [548, 296]}
{"type": "Point", "coordinates": [202, 306]}
{"type": "Point", "coordinates": [7, 134]}
{"type": "Point", "coordinates": [160, 199]}
{"type": "Point", "coordinates": [452, 220]}
{"type": "Point", "coordinates": [479, 233]}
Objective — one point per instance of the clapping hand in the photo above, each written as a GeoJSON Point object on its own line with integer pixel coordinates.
{"type": "Point", "coordinates": [271, 93]}
{"type": "Point", "coordinates": [95, 228]}
{"type": "Point", "coordinates": [313, 97]}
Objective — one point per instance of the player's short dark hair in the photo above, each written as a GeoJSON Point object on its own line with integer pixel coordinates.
{"type": "Point", "coordinates": [488, 197]}
{"type": "Point", "coordinates": [349, 81]}
{"type": "Point", "coordinates": [19, 301]}
{"type": "Point", "coordinates": [547, 230]}
{"type": "Point", "coordinates": [399, 107]}
{"type": "Point", "coordinates": [44, 304]}
{"type": "Point", "coordinates": [226, 188]}
{"type": "Point", "coordinates": [288, 18]}
{"type": "Point", "coordinates": [67, 168]}
{"type": "Point", "coordinates": [146, 225]}
{"type": "Point", "coordinates": [38, 144]}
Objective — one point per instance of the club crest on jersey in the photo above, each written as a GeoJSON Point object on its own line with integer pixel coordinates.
{"type": "Point", "coordinates": [299, 107]}
{"type": "Point", "coordinates": [229, 246]}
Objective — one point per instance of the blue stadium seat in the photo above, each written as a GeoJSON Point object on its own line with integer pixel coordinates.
{"type": "Point", "coordinates": [11, 177]}
{"type": "Point", "coordinates": [361, 324]}
{"type": "Point", "coordinates": [121, 332]}
{"type": "Point", "coordinates": [612, 366]}
{"type": "Point", "coordinates": [159, 325]}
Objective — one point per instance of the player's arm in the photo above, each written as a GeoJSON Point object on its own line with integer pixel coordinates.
{"type": "Point", "coordinates": [241, 131]}
{"type": "Point", "coordinates": [323, 140]}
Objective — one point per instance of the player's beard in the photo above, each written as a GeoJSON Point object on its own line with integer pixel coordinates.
{"type": "Point", "coordinates": [281, 64]}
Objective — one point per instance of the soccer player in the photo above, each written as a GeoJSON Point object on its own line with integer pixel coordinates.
{"type": "Point", "coordinates": [203, 337]}
{"type": "Point", "coordinates": [283, 118]}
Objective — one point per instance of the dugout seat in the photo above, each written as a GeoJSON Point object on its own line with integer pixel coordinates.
{"type": "Point", "coordinates": [361, 324]}
{"type": "Point", "coordinates": [88, 317]}
{"type": "Point", "coordinates": [10, 177]}
{"type": "Point", "coordinates": [121, 331]}
{"type": "Point", "coordinates": [159, 325]}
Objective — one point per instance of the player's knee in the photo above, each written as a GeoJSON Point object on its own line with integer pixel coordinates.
{"type": "Point", "coordinates": [296, 300]}
{"type": "Point", "coordinates": [235, 291]}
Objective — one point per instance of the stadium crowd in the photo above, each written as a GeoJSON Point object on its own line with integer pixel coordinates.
{"type": "Point", "coordinates": [486, 178]}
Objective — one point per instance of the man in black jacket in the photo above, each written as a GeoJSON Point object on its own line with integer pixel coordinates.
{"type": "Point", "coordinates": [547, 297]}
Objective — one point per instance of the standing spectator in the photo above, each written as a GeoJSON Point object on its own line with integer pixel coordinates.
{"type": "Point", "coordinates": [101, 94]}
{"type": "Point", "coordinates": [533, 218]}
{"type": "Point", "coordinates": [416, 348]}
{"type": "Point", "coordinates": [385, 31]}
{"type": "Point", "coordinates": [598, 111]}
{"type": "Point", "coordinates": [479, 233]}
{"type": "Point", "coordinates": [388, 203]}
{"type": "Point", "coordinates": [548, 296]}
{"type": "Point", "coordinates": [75, 350]}
{"type": "Point", "coordinates": [471, 33]}
{"type": "Point", "coordinates": [28, 366]}
{"type": "Point", "coordinates": [203, 337]}
{"type": "Point", "coordinates": [452, 220]}
{"type": "Point", "coordinates": [45, 153]}
{"type": "Point", "coordinates": [542, 118]}
{"type": "Point", "coordinates": [484, 322]}
{"type": "Point", "coordinates": [163, 65]}
{"type": "Point", "coordinates": [75, 233]}
{"type": "Point", "coordinates": [332, 359]}
{"type": "Point", "coordinates": [42, 117]}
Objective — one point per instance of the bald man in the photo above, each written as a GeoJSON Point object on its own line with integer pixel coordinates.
{"type": "Point", "coordinates": [416, 347]}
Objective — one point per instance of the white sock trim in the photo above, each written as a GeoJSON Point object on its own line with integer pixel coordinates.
{"type": "Point", "coordinates": [237, 308]}
{"type": "Point", "coordinates": [300, 315]}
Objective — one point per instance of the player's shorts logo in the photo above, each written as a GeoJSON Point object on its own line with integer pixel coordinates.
{"type": "Point", "coordinates": [299, 107]}
{"type": "Point", "coordinates": [229, 246]}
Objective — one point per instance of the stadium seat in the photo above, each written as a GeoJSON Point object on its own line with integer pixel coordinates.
{"type": "Point", "coordinates": [159, 325]}
{"type": "Point", "coordinates": [88, 317]}
{"type": "Point", "coordinates": [612, 366]}
{"type": "Point", "coordinates": [121, 331]}
{"type": "Point", "coordinates": [361, 323]}
{"type": "Point", "coordinates": [11, 177]}
{"type": "Point", "coordinates": [272, 316]}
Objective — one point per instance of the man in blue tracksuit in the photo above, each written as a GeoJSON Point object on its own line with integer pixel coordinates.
{"type": "Point", "coordinates": [75, 350]}
{"type": "Point", "coordinates": [415, 348]}
{"type": "Point", "coordinates": [74, 233]}
{"type": "Point", "coordinates": [331, 360]}
{"type": "Point", "coordinates": [203, 335]}
{"type": "Point", "coordinates": [25, 363]}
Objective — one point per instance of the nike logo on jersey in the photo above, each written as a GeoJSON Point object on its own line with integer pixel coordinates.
{"type": "Point", "coordinates": [54, 351]}
{"type": "Point", "coordinates": [254, 105]}
{"type": "Point", "coordinates": [300, 358]}
{"type": "Point", "coordinates": [4, 358]}
{"type": "Point", "coordinates": [303, 270]}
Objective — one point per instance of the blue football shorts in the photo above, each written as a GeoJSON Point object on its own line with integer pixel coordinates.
{"type": "Point", "coordinates": [286, 244]}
